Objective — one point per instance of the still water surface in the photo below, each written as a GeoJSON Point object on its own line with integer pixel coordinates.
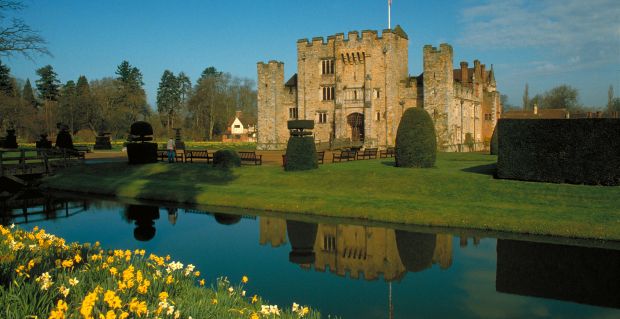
{"type": "Point", "coordinates": [353, 271]}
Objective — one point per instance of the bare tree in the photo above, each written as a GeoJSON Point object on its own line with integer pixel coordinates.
{"type": "Point", "coordinates": [16, 36]}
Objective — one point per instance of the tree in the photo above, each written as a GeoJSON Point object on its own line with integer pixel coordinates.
{"type": "Point", "coordinates": [561, 97]}
{"type": "Point", "coordinates": [6, 81]}
{"type": "Point", "coordinates": [16, 36]}
{"type": "Point", "coordinates": [206, 98]}
{"type": "Point", "coordinates": [48, 84]}
{"type": "Point", "coordinates": [67, 106]}
{"type": "Point", "coordinates": [168, 98]}
{"type": "Point", "coordinates": [131, 98]}
{"type": "Point", "coordinates": [526, 97]}
{"type": "Point", "coordinates": [615, 105]}
{"type": "Point", "coordinates": [610, 98]}
{"type": "Point", "coordinates": [28, 95]}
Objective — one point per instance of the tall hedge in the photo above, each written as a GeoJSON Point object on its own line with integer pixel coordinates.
{"type": "Point", "coordinates": [300, 154]}
{"type": "Point", "coordinates": [416, 144]}
{"type": "Point", "coordinates": [577, 151]}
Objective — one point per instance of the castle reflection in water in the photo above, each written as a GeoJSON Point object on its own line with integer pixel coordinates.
{"type": "Point", "coordinates": [359, 251]}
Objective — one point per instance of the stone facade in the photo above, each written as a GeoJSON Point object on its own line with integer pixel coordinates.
{"type": "Point", "coordinates": [356, 89]}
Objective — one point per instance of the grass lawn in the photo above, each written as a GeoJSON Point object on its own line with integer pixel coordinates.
{"type": "Point", "coordinates": [459, 192]}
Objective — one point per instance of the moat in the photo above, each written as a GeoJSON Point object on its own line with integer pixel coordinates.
{"type": "Point", "coordinates": [351, 270]}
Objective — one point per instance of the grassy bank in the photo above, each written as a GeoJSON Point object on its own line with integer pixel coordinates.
{"type": "Point", "coordinates": [459, 192]}
{"type": "Point", "coordinates": [42, 276]}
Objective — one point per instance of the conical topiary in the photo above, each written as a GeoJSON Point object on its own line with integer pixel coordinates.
{"type": "Point", "coordinates": [416, 144]}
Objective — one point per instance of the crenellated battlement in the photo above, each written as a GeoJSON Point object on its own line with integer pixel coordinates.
{"type": "Point", "coordinates": [353, 35]}
{"type": "Point", "coordinates": [443, 48]}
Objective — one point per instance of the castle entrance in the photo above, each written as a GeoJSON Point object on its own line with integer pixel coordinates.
{"type": "Point", "coordinates": [356, 121]}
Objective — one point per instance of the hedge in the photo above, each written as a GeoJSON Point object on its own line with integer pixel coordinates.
{"type": "Point", "coordinates": [226, 159]}
{"type": "Point", "coordinates": [300, 154]}
{"type": "Point", "coordinates": [416, 144]}
{"type": "Point", "coordinates": [577, 151]}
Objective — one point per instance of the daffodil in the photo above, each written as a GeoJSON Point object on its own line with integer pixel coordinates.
{"type": "Point", "coordinates": [244, 279]}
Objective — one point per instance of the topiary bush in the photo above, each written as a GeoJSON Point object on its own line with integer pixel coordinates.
{"type": "Point", "coordinates": [493, 147]}
{"type": "Point", "coordinates": [64, 139]}
{"type": "Point", "coordinates": [226, 159]}
{"type": "Point", "coordinates": [416, 144]}
{"type": "Point", "coordinates": [300, 154]}
{"type": "Point", "coordinates": [143, 152]}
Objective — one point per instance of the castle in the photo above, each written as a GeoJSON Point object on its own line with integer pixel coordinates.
{"type": "Point", "coordinates": [357, 88]}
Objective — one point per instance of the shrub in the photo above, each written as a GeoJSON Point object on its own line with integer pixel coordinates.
{"type": "Point", "coordinates": [64, 140]}
{"type": "Point", "coordinates": [577, 151]}
{"type": "Point", "coordinates": [494, 144]}
{"type": "Point", "coordinates": [143, 152]}
{"type": "Point", "coordinates": [226, 159]}
{"type": "Point", "coordinates": [416, 144]}
{"type": "Point", "coordinates": [300, 154]}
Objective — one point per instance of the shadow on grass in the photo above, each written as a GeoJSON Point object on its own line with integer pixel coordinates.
{"type": "Point", "coordinates": [390, 163]}
{"type": "Point", "coordinates": [488, 169]}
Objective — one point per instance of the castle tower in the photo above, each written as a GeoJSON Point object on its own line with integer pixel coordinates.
{"type": "Point", "coordinates": [273, 100]}
{"type": "Point", "coordinates": [439, 91]}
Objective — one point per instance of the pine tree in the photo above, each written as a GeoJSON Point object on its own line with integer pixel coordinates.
{"type": "Point", "coordinates": [526, 98]}
{"type": "Point", "coordinates": [610, 98]}
{"type": "Point", "coordinates": [48, 84]}
{"type": "Point", "coordinates": [7, 86]}
{"type": "Point", "coordinates": [28, 95]}
{"type": "Point", "coordinates": [168, 97]}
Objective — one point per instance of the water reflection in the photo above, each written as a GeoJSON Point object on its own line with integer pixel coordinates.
{"type": "Point", "coordinates": [35, 206]}
{"type": "Point", "coordinates": [578, 274]}
{"type": "Point", "coordinates": [406, 260]}
{"type": "Point", "coordinates": [359, 251]}
{"type": "Point", "coordinates": [144, 217]}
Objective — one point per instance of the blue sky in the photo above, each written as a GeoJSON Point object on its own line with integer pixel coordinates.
{"type": "Point", "coordinates": [544, 43]}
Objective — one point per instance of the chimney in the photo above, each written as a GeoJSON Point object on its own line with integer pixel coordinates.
{"type": "Point", "coordinates": [535, 109]}
{"type": "Point", "coordinates": [484, 74]}
{"type": "Point", "coordinates": [238, 114]}
{"type": "Point", "coordinates": [464, 72]}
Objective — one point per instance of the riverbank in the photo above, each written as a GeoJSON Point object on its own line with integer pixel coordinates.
{"type": "Point", "coordinates": [459, 192]}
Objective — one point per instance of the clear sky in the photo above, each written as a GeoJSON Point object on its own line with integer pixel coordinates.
{"type": "Point", "coordinates": [544, 42]}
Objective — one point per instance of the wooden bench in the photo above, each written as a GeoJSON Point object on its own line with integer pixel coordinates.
{"type": "Point", "coordinates": [368, 153]}
{"type": "Point", "coordinates": [251, 157]}
{"type": "Point", "coordinates": [82, 148]}
{"type": "Point", "coordinates": [198, 154]}
{"type": "Point", "coordinates": [162, 155]}
{"type": "Point", "coordinates": [388, 152]}
{"type": "Point", "coordinates": [348, 155]}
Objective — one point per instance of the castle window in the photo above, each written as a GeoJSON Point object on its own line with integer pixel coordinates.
{"type": "Point", "coordinates": [355, 95]}
{"type": "Point", "coordinates": [328, 93]}
{"type": "Point", "coordinates": [322, 117]}
{"type": "Point", "coordinates": [377, 93]}
{"type": "Point", "coordinates": [237, 126]}
{"type": "Point", "coordinates": [488, 117]}
{"type": "Point", "coordinates": [378, 116]}
{"type": "Point", "coordinates": [327, 66]}
{"type": "Point", "coordinates": [293, 113]}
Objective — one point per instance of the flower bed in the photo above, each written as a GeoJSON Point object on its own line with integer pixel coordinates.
{"type": "Point", "coordinates": [44, 277]}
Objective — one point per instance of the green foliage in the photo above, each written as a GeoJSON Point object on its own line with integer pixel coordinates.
{"type": "Point", "coordinates": [65, 280]}
{"type": "Point", "coordinates": [48, 84]}
{"type": "Point", "coordinates": [168, 97]}
{"type": "Point", "coordinates": [494, 144]}
{"type": "Point", "coordinates": [560, 97]}
{"type": "Point", "coordinates": [416, 144]}
{"type": "Point", "coordinates": [28, 95]}
{"type": "Point", "coordinates": [300, 154]}
{"type": "Point", "coordinates": [6, 81]}
{"type": "Point", "coordinates": [141, 130]}
{"type": "Point", "coordinates": [582, 151]}
{"type": "Point", "coordinates": [226, 159]}
{"type": "Point", "coordinates": [300, 124]}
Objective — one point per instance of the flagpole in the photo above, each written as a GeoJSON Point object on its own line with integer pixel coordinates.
{"type": "Point", "coordinates": [389, 14]}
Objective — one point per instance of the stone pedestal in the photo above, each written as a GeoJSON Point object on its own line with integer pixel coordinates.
{"type": "Point", "coordinates": [178, 141]}
{"type": "Point", "coordinates": [102, 141]}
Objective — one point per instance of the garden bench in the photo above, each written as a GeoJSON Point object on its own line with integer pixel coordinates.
{"type": "Point", "coordinates": [198, 154]}
{"type": "Point", "coordinates": [388, 152]}
{"type": "Point", "coordinates": [82, 148]}
{"type": "Point", "coordinates": [368, 153]}
{"type": "Point", "coordinates": [251, 157]}
{"type": "Point", "coordinates": [162, 155]}
{"type": "Point", "coordinates": [348, 155]}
